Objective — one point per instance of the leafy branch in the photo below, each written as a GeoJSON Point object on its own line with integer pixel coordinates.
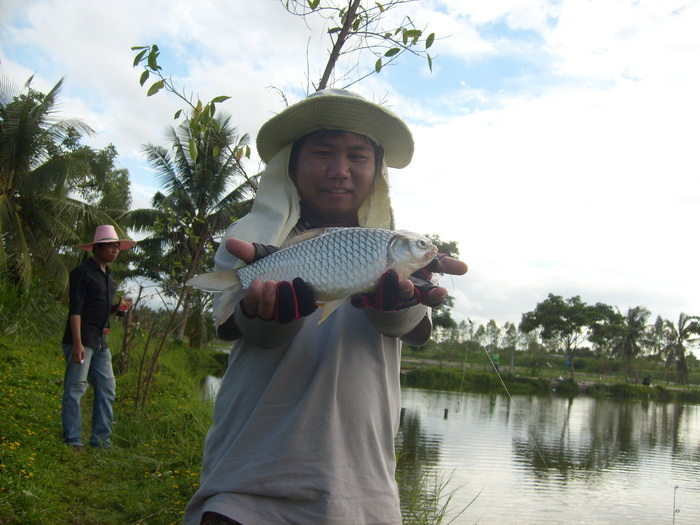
{"type": "Point", "coordinates": [200, 120]}
{"type": "Point", "coordinates": [355, 28]}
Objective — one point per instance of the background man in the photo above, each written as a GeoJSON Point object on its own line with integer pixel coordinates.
{"type": "Point", "coordinates": [85, 343]}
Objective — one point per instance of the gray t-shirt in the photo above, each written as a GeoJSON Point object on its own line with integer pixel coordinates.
{"type": "Point", "coordinates": [304, 422]}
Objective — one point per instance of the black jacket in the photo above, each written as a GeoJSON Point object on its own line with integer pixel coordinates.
{"type": "Point", "coordinates": [91, 297]}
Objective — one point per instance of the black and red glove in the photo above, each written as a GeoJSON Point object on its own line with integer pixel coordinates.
{"type": "Point", "coordinates": [387, 297]}
{"type": "Point", "coordinates": [294, 300]}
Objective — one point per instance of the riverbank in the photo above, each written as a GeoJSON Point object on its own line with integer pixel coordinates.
{"type": "Point", "coordinates": [436, 375]}
{"type": "Point", "coordinates": [146, 478]}
{"type": "Point", "coordinates": [152, 470]}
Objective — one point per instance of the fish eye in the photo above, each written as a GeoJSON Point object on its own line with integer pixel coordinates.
{"type": "Point", "coordinates": [421, 243]}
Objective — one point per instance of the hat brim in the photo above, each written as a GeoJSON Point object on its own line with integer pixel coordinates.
{"type": "Point", "coordinates": [338, 112]}
{"type": "Point", "coordinates": [124, 244]}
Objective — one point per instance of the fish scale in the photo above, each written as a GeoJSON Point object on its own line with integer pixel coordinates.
{"type": "Point", "coordinates": [339, 262]}
{"type": "Point", "coordinates": [335, 263]}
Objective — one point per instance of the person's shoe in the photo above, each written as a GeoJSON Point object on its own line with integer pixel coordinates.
{"type": "Point", "coordinates": [78, 448]}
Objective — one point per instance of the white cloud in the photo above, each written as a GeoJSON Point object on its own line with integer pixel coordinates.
{"type": "Point", "coordinates": [578, 177]}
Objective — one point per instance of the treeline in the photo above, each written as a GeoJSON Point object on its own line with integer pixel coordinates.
{"type": "Point", "coordinates": [593, 338]}
{"type": "Point", "coordinates": [54, 191]}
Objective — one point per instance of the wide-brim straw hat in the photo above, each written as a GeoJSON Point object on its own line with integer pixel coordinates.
{"type": "Point", "coordinates": [338, 109]}
{"type": "Point", "coordinates": [107, 234]}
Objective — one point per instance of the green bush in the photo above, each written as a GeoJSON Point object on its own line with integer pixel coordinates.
{"type": "Point", "coordinates": [688, 396]}
{"type": "Point", "coordinates": [34, 310]}
{"type": "Point", "coordinates": [433, 378]}
{"type": "Point", "coordinates": [527, 385]}
{"type": "Point", "coordinates": [149, 475]}
{"type": "Point", "coordinates": [452, 378]}
{"type": "Point", "coordinates": [627, 391]}
{"type": "Point", "coordinates": [567, 387]}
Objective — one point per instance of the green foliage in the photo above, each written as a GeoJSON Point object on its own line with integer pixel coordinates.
{"type": "Point", "coordinates": [567, 388]}
{"type": "Point", "coordinates": [599, 365]}
{"type": "Point", "coordinates": [681, 335]}
{"type": "Point", "coordinates": [433, 378]}
{"type": "Point", "coordinates": [41, 163]}
{"type": "Point", "coordinates": [688, 396]}
{"type": "Point", "coordinates": [570, 322]}
{"type": "Point", "coordinates": [205, 189]}
{"type": "Point", "coordinates": [102, 185]}
{"type": "Point", "coordinates": [626, 391]}
{"type": "Point", "coordinates": [658, 394]}
{"type": "Point", "coordinates": [200, 118]}
{"type": "Point", "coordinates": [442, 316]}
{"type": "Point", "coordinates": [427, 502]}
{"type": "Point", "coordinates": [29, 310]}
{"type": "Point", "coordinates": [147, 478]}
{"type": "Point", "coordinates": [454, 379]}
{"type": "Point", "coordinates": [356, 27]}
{"type": "Point", "coordinates": [526, 385]}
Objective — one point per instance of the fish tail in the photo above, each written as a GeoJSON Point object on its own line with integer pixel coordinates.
{"type": "Point", "coordinates": [221, 281]}
{"type": "Point", "coordinates": [225, 282]}
{"type": "Point", "coordinates": [225, 305]}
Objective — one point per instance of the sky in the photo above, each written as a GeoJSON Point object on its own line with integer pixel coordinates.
{"type": "Point", "coordinates": [556, 140]}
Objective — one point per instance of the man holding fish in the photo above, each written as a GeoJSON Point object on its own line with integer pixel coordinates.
{"type": "Point", "coordinates": [306, 414]}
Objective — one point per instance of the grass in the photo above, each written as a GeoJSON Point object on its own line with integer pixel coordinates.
{"type": "Point", "coordinates": [148, 476]}
{"type": "Point", "coordinates": [428, 501]}
{"type": "Point", "coordinates": [473, 372]}
{"type": "Point", "coordinates": [153, 469]}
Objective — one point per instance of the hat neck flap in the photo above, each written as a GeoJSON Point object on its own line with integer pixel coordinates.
{"type": "Point", "coordinates": [276, 209]}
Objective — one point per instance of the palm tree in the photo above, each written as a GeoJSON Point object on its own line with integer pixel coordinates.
{"type": "Point", "coordinates": [682, 334]}
{"type": "Point", "coordinates": [629, 346]}
{"type": "Point", "coordinates": [37, 216]}
{"type": "Point", "coordinates": [657, 337]}
{"type": "Point", "coordinates": [201, 197]}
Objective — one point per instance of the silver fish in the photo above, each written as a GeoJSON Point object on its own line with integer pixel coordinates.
{"type": "Point", "coordinates": [336, 263]}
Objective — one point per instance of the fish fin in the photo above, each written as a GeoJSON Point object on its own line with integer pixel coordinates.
{"type": "Point", "coordinates": [215, 281]}
{"type": "Point", "coordinates": [329, 307]}
{"type": "Point", "coordinates": [305, 236]}
{"type": "Point", "coordinates": [224, 306]}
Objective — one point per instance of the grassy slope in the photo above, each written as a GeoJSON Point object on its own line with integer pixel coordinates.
{"type": "Point", "coordinates": [147, 478]}
{"type": "Point", "coordinates": [151, 474]}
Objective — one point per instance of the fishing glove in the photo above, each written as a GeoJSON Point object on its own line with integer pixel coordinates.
{"type": "Point", "coordinates": [263, 250]}
{"type": "Point", "coordinates": [387, 297]}
{"type": "Point", "coordinates": [294, 300]}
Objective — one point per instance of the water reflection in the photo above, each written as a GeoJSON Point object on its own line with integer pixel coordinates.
{"type": "Point", "coordinates": [580, 436]}
{"type": "Point", "coordinates": [554, 460]}
{"type": "Point", "coordinates": [550, 460]}
{"type": "Point", "coordinates": [417, 454]}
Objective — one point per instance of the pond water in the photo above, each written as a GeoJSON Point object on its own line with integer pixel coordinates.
{"type": "Point", "coordinates": [550, 460]}
{"type": "Point", "coordinates": [542, 459]}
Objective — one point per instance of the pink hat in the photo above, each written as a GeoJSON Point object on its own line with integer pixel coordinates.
{"type": "Point", "coordinates": [105, 234]}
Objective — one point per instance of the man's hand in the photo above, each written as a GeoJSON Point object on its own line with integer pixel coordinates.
{"type": "Point", "coordinates": [442, 264]}
{"type": "Point", "coordinates": [78, 354]}
{"type": "Point", "coordinates": [282, 301]}
{"type": "Point", "coordinates": [392, 295]}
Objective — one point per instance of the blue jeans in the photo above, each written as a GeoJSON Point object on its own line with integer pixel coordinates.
{"type": "Point", "coordinates": [97, 370]}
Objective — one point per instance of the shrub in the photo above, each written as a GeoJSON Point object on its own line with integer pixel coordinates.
{"type": "Point", "coordinates": [33, 310]}
{"type": "Point", "coordinates": [567, 387]}
{"type": "Point", "coordinates": [451, 378]}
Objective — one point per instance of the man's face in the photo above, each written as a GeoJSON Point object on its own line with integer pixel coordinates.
{"type": "Point", "coordinates": [106, 252]}
{"type": "Point", "coordinates": [334, 175]}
